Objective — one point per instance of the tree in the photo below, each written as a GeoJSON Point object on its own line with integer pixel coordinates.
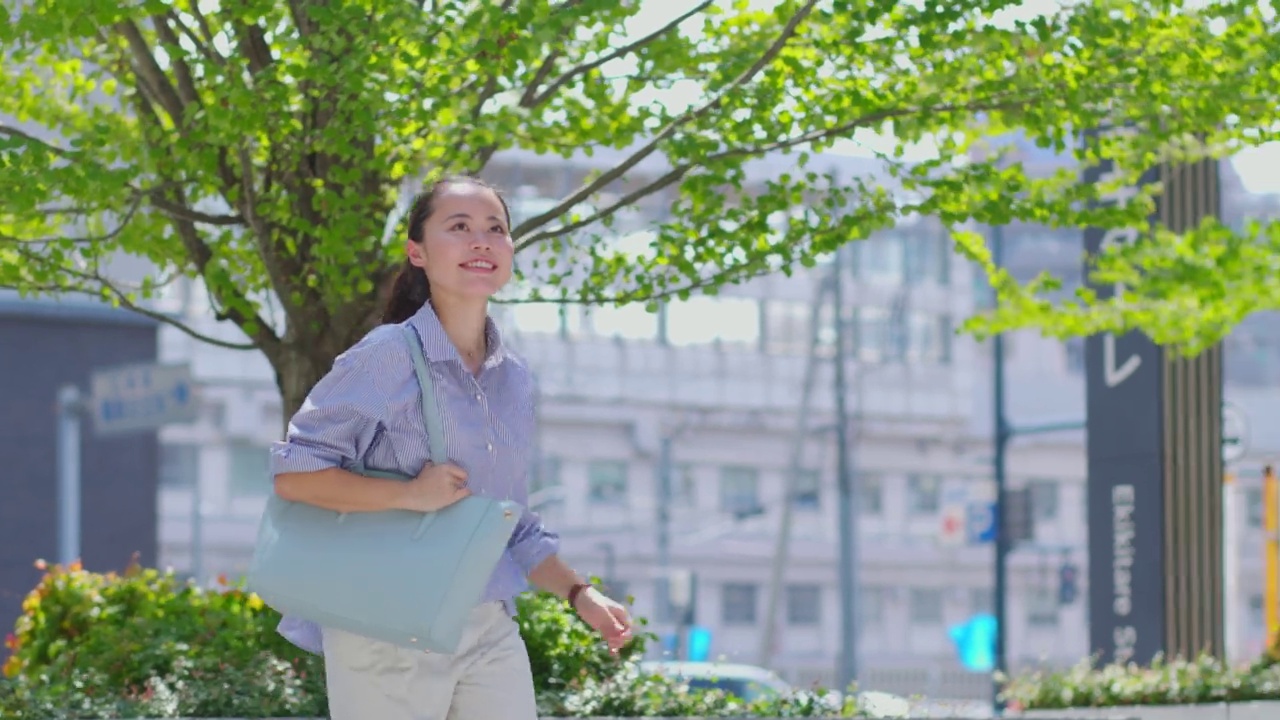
{"type": "Point", "coordinates": [260, 146]}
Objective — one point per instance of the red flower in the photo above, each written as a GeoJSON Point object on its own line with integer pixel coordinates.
{"type": "Point", "coordinates": [11, 641]}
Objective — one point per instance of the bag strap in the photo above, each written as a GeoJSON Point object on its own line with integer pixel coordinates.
{"type": "Point", "coordinates": [430, 405]}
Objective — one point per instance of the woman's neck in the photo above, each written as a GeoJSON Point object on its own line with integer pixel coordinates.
{"type": "Point", "coordinates": [464, 324]}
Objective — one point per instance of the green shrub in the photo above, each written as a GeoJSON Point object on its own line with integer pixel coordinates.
{"type": "Point", "coordinates": [1202, 680]}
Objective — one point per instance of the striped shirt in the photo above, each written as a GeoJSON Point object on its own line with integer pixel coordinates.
{"type": "Point", "coordinates": [368, 408]}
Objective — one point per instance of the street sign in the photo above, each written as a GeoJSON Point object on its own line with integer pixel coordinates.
{"type": "Point", "coordinates": [1235, 433]}
{"type": "Point", "coordinates": [138, 398]}
{"type": "Point", "coordinates": [980, 523]}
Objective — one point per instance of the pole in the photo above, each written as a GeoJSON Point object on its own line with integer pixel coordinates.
{"type": "Point", "coordinates": [197, 528]}
{"type": "Point", "coordinates": [1271, 556]}
{"type": "Point", "coordinates": [664, 535]}
{"type": "Point", "coordinates": [848, 498]}
{"type": "Point", "coordinates": [68, 474]}
{"type": "Point", "coordinates": [1002, 435]}
{"type": "Point", "coordinates": [782, 548]}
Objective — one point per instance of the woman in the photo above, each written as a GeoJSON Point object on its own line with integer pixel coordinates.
{"type": "Point", "coordinates": [459, 254]}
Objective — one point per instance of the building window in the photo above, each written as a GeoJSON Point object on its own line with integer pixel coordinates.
{"type": "Point", "coordinates": [924, 494]}
{"type": "Point", "coordinates": [981, 601]}
{"type": "Point", "coordinates": [179, 464]}
{"type": "Point", "coordinates": [1042, 608]}
{"type": "Point", "coordinates": [870, 493]}
{"type": "Point", "coordinates": [1254, 504]}
{"type": "Point", "coordinates": [807, 487]}
{"type": "Point", "coordinates": [684, 486]}
{"type": "Point", "coordinates": [870, 606]}
{"type": "Point", "coordinates": [739, 490]}
{"type": "Point", "coordinates": [786, 327]}
{"type": "Point", "coordinates": [1257, 618]}
{"type": "Point", "coordinates": [871, 334]}
{"type": "Point", "coordinates": [804, 604]}
{"type": "Point", "coordinates": [1044, 499]}
{"type": "Point", "coordinates": [250, 470]}
{"type": "Point", "coordinates": [607, 482]}
{"type": "Point", "coordinates": [926, 606]}
{"type": "Point", "coordinates": [738, 604]}
{"type": "Point", "coordinates": [546, 473]}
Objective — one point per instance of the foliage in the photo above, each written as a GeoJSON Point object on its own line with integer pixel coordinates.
{"type": "Point", "coordinates": [1166, 682]}
{"type": "Point", "coordinates": [262, 147]}
{"type": "Point", "coordinates": [145, 640]}
{"type": "Point", "coordinates": [144, 644]}
{"type": "Point", "coordinates": [563, 650]}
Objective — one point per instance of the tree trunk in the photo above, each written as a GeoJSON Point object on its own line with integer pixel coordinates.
{"type": "Point", "coordinates": [304, 359]}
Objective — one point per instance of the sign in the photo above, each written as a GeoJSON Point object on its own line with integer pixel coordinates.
{"type": "Point", "coordinates": [1124, 393]}
{"type": "Point", "coordinates": [1235, 433]}
{"type": "Point", "coordinates": [980, 523]}
{"type": "Point", "coordinates": [139, 398]}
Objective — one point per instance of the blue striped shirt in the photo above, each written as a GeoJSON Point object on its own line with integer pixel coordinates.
{"type": "Point", "coordinates": [367, 408]}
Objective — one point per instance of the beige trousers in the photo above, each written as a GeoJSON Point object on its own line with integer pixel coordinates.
{"type": "Point", "coordinates": [487, 679]}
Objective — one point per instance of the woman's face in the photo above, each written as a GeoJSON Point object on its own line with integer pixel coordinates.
{"type": "Point", "coordinates": [466, 246]}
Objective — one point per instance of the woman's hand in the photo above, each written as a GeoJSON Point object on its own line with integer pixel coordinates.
{"type": "Point", "coordinates": [436, 487]}
{"type": "Point", "coordinates": [605, 616]}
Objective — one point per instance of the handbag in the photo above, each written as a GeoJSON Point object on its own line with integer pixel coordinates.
{"type": "Point", "coordinates": [403, 577]}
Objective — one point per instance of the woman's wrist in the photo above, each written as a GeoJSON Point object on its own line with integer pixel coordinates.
{"type": "Point", "coordinates": [574, 596]}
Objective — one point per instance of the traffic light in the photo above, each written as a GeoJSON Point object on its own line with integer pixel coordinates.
{"type": "Point", "coordinates": [1068, 589]}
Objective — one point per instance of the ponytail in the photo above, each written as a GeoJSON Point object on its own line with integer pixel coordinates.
{"type": "Point", "coordinates": [409, 293]}
{"type": "Point", "coordinates": [412, 290]}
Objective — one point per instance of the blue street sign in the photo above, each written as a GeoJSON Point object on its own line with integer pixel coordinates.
{"type": "Point", "coordinates": [980, 523]}
{"type": "Point", "coordinates": [138, 398]}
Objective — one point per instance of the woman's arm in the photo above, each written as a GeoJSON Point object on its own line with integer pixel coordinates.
{"type": "Point", "coordinates": [341, 490]}
{"type": "Point", "coordinates": [555, 576]}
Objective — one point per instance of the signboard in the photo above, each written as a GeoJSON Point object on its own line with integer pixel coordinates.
{"type": "Point", "coordinates": [138, 398]}
{"type": "Point", "coordinates": [1124, 395]}
{"type": "Point", "coordinates": [980, 523]}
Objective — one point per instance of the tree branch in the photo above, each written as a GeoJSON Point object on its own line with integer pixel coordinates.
{"type": "Point", "coordinates": [677, 173]}
{"type": "Point", "coordinates": [540, 97]}
{"type": "Point", "coordinates": [151, 77]}
{"type": "Point", "coordinates": [584, 192]}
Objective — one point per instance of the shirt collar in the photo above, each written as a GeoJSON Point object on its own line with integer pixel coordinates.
{"type": "Point", "coordinates": [438, 347]}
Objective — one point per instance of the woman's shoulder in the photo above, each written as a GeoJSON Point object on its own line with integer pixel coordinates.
{"type": "Point", "coordinates": [383, 350]}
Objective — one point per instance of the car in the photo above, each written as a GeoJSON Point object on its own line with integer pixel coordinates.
{"type": "Point", "coordinates": [750, 683]}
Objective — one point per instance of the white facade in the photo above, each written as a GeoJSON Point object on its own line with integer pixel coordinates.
{"type": "Point", "coordinates": [724, 385]}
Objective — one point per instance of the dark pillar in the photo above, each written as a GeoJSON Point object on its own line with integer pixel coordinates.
{"type": "Point", "coordinates": [1155, 467]}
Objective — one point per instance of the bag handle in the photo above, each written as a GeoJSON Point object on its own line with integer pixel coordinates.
{"type": "Point", "coordinates": [430, 405]}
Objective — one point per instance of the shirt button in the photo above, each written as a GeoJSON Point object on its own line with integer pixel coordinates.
{"type": "Point", "coordinates": [479, 396]}
{"type": "Point", "coordinates": [489, 447]}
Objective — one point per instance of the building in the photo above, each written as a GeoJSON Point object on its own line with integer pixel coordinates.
{"type": "Point", "coordinates": [45, 346]}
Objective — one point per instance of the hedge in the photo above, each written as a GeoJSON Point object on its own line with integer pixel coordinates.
{"type": "Point", "coordinates": [144, 643]}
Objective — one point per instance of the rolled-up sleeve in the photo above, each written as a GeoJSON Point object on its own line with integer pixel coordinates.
{"type": "Point", "coordinates": [532, 542]}
{"type": "Point", "coordinates": [339, 419]}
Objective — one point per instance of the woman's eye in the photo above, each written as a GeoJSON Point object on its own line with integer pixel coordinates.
{"type": "Point", "coordinates": [499, 229]}
{"type": "Point", "coordinates": [460, 226]}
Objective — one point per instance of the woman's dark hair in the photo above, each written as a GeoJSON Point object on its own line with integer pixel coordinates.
{"type": "Point", "coordinates": [412, 290]}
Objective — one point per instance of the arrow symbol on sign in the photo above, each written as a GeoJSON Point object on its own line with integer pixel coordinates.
{"type": "Point", "coordinates": [1111, 374]}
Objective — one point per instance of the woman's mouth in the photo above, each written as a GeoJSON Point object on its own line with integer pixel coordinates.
{"type": "Point", "coordinates": [479, 266]}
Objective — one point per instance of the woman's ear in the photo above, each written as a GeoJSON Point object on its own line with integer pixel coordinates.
{"type": "Point", "coordinates": [414, 251]}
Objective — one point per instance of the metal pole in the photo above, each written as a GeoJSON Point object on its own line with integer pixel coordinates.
{"type": "Point", "coordinates": [197, 528]}
{"type": "Point", "coordinates": [664, 535]}
{"type": "Point", "coordinates": [782, 547]}
{"type": "Point", "coordinates": [848, 498]}
{"type": "Point", "coordinates": [68, 474]}
{"type": "Point", "coordinates": [1002, 435]}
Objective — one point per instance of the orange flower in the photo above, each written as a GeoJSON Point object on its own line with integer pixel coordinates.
{"type": "Point", "coordinates": [222, 579]}
{"type": "Point", "coordinates": [11, 641]}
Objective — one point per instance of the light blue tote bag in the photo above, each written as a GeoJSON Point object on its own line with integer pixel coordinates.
{"type": "Point", "coordinates": [403, 577]}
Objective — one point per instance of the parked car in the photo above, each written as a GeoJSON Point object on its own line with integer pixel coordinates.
{"type": "Point", "coordinates": [750, 682]}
